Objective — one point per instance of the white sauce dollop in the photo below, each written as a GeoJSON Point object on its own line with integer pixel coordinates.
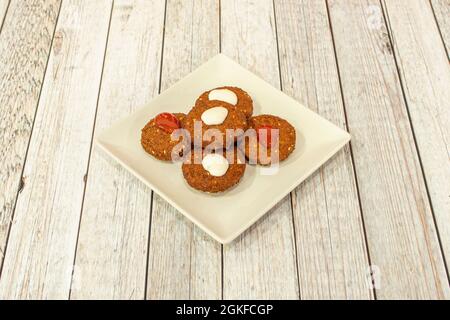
{"type": "Point", "coordinates": [223, 95]}
{"type": "Point", "coordinates": [213, 116]}
{"type": "Point", "coordinates": [215, 164]}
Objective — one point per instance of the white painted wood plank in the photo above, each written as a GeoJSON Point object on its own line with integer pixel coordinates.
{"type": "Point", "coordinates": [401, 234]}
{"type": "Point", "coordinates": [425, 74]}
{"type": "Point", "coordinates": [3, 7]}
{"type": "Point", "coordinates": [40, 252]}
{"type": "Point", "coordinates": [111, 258]}
{"type": "Point", "coordinates": [331, 251]}
{"type": "Point", "coordinates": [25, 42]}
{"type": "Point", "coordinates": [441, 10]}
{"type": "Point", "coordinates": [184, 262]}
{"type": "Point", "coordinates": [260, 263]}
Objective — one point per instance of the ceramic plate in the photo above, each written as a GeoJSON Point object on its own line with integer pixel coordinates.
{"type": "Point", "coordinates": [225, 216]}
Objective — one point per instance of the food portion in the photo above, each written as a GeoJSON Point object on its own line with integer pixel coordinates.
{"type": "Point", "coordinates": [214, 171]}
{"type": "Point", "coordinates": [219, 116]}
{"type": "Point", "coordinates": [157, 138]}
{"type": "Point", "coordinates": [234, 96]}
{"type": "Point", "coordinates": [218, 139]}
{"type": "Point", "coordinates": [272, 139]}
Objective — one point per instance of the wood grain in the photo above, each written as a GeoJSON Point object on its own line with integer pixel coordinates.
{"type": "Point", "coordinates": [441, 10]}
{"type": "Point", "coordinates": [261, 263]}
{"type": "Point", "coordinates": [331, 252]}
{"type": "Point", "coordinates": [41, 247]}
{"type": "Point", "coordinates": [421, 55]}
{"type": "Point", "coordinates": [401, 234]}
{"type": "Point", "coordinates": [184, 262]}
{"type": "Point", "coordinates": [392, 63]}
{"type": "Point", "coordinates": [111, 259]}
{"type": "Point", "coordinates": [25, 41]}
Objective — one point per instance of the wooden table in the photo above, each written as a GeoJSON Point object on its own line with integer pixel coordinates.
{"type": "Point", "coordinates": [74, 224]}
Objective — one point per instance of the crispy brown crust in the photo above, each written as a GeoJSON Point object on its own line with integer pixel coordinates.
{"type": "Point", "coordinates": [235, 120]}
{"type": "Point", "coordinates": [287, 138]}
{"type": "Point", "coordinates": [244, 103]}
{"type": "Point", "coordinates": [158, 142]}
{"type": "Point", "coordinates": [198, 178]}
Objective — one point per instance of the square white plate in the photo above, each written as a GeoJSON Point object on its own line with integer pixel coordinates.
{"type": "Point", "coordinates": [227, 215]}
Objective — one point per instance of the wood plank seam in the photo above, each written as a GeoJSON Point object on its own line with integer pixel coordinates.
{"type": "Point", "coordinates": [162, 51]}
{"type": "Point", "coordinates": [148, 244]}
{"type": "Point", "coordinates": [4, 18]}
{"type": "Point", "coordinates": [90, 148]}
{"type": "Point", "coordinates": [366, 242]}
{"type": "Point", "coordinates": [151, 191]}
{"type": "Point", "coordinates": [290, 194]}
{"type": "Point", "coordinates": [439, 28]}
{"type": "Point", "coordinates": [299, 292]}
{"type": "Point", "coordinates": [21, 182]}
{"type": "Point", "coordinates": [401, 81]}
